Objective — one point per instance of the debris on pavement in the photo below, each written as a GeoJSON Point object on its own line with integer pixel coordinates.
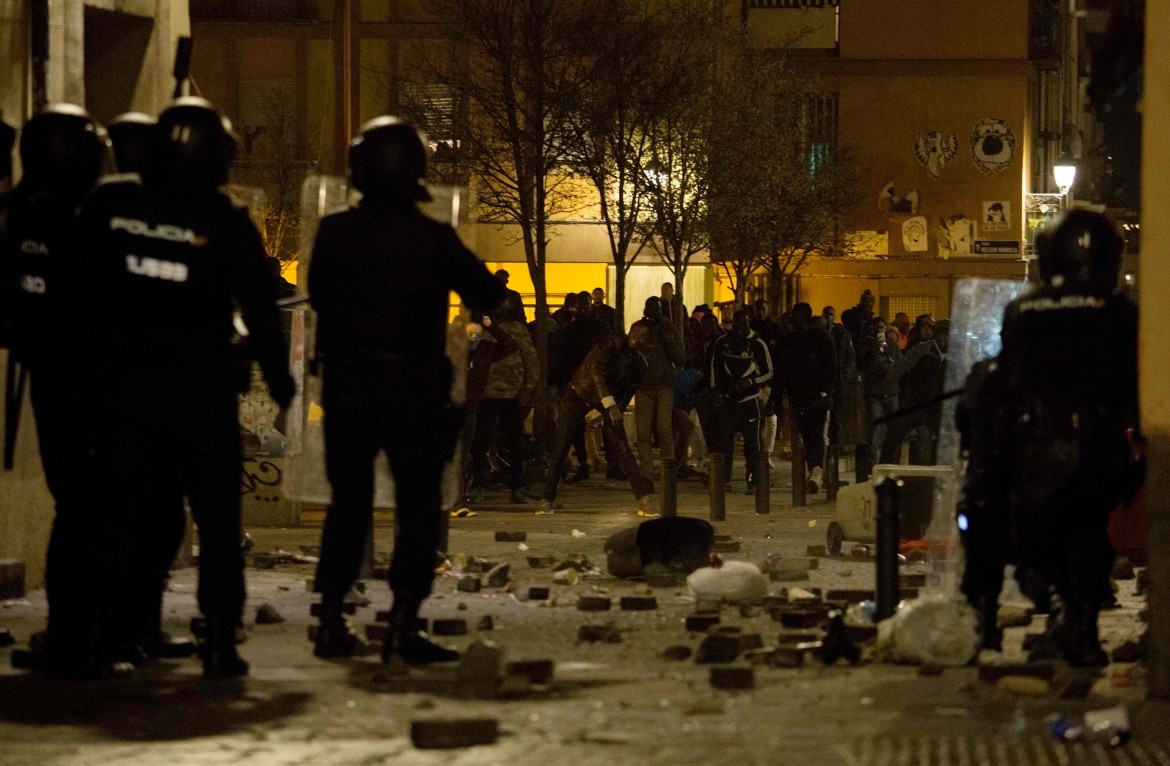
{"type": "Point", "coordinates": [733, 677]}
{"type": "Point", "coordinates": [503, 536]}
{"type": "Point", "coordinates": [736, 582]}
{"type": "Point", "coordinates": [498, 576]}
{"type": "Point", "coordinates": [593, 633]}
{"type": "Point", "coordinates": [267, 614]}
{"type": "Point", "coordinates": [447, 733]}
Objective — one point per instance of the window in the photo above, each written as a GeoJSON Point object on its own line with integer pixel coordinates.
{"type": "Point", "coordinates": [819, 121]}
{"type": "Point", "coordinates": [434, 107]}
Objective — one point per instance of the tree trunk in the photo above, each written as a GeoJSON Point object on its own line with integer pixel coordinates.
{"type": "Point", "coordinates": [619, 298]}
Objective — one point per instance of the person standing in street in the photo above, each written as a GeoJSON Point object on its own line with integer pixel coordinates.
{"type": "Point", "coordinates": [601, 311]}
{"type": "Point", "coordinates": [741, 366]}
{"type": "Point", "coordinates": [61, 150]}
{"type": "Point", "coordinates": [655, 397]}
{"type": "Point", "coordinates": [168, 263]}
{"type": "Point", "coordinates": [810, 366]}
{"type": "Point", "coordinates": [379, 281]}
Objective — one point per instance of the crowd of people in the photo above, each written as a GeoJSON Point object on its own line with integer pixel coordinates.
{"type": "Point", "coordinates": [697, 384]}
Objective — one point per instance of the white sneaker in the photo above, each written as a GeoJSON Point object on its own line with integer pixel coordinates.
{"type": "Point", "coordinates": [648, 506]}
{"type": "Point", "coordinates": [814, 480]}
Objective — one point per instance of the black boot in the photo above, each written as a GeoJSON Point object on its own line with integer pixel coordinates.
{"type": "Point", "coordinates": [406, 643]}
{"type": "Point", "coordinates": [1048, 646]}
{"type": "Point", "coordinates": [1078, 638]}
{"type": "Point", "coordinates": [218, 650]}
{"type": "Point", "coordinates": [335, 638]}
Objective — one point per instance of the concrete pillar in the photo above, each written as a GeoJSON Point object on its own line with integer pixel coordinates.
{"type": "Point", "coordinates": [1155, 333]}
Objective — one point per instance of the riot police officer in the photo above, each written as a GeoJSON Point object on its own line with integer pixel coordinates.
{"type": "Point", "coordinates": [1067, 376]}
{"type": "Point", "coordinates": [62, 149]}
{"type": "Point", "coordinates": [379, 280]}
{"type": "Point", "coordinates": [170, 260]}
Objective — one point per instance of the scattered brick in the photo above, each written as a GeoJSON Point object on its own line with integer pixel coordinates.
{"type": "Point", "coordinates": [541, 562]}
{"type": "Point", "coordinates": [721, 538]}
{"type": "Point", "coordinates": [539, 672]}
{"type": "Point", "coordinates": [267, 614]}
{"type": "Point", "coordinates": [707, 606]}
{"type": "Point", "coordinates": [511, 537]}
{"type": "Point", "coordinates": [718, 647]}
{"type": "Point", "coordinates": [725, 546]}
{"type": "Point", "coordinates": [447, 733]}
{"type": "Point", "coordinates": [750, 641]}
{"type": "Point", "coordinates": [700, 623]}
{"type": "Point", "coordinates": [455, 626]}
{"type": "Point", "coordinates": [663, 580]}
{"type": "Point", "coordinates": [733, 677]}
{"type": "Point", "coordinates": [469, 584]}
{"type": "Point", "coordinates": [677, 653]}
{"type": "Point", "coordinates": [487, 622]}
{"type": "Point", "coordinates": [639, 603]}
{"type": "Point", "coordinates": [607, 633]}
{"type": "Point", "coordinates": [594, 604]}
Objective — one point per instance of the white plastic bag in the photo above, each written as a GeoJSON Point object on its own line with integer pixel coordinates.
{"type": "Point", "coordinates": [937, 630]}
{"type": "Point", "coordinates": [736, 582]}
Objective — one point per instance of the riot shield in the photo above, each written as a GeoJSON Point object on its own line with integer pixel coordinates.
{"type": "Point", "coordinates": [307, 482]}
{"type": "Point", "coordinates": [976, 319]}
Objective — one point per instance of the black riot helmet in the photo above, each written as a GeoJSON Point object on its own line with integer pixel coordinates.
{"type": "Point", "coordinates": [193, 146]}
{"type": "Point", "coordinates": [389, 159]}
{"type": "Point", "coordinates": [1081, 248]}
{"type": "Point", "coordinates": [131, 135]}
{"type": "Point", "coordinates": [62, 149]}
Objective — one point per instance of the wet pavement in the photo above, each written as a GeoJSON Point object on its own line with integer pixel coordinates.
{"type": "Point", "coordinates": [608, 703]}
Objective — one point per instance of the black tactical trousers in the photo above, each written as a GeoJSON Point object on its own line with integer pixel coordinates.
{"type": "Point", "coordinates": [62, 421]}
{"type": "Point", "coordinates": [368, 411]}
{"type": "Point", "coordinates": [810, 414]}
{"type": "Point", "coordinates": [163, 435]}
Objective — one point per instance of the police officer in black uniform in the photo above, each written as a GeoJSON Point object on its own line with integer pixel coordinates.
{"type": "Point", "coordinates": [379, 281]}
{"type": "Point", "coordinates": [1067, 378]}
{"type": "Point", "coordinates": [169, 262]}
{"type": "Point", "coordinates": [62, 149]}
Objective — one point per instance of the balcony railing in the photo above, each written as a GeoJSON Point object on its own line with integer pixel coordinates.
{"type": "Point", "coordinates": [254, 10]}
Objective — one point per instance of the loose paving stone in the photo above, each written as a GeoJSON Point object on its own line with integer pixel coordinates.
{"type": "Point", "coordinates": [851, 595]}
{"type": "Point", "coordinates": [12, 576]}
{"type": "Point", "coordinates": [700, 623]}
{"type": "Point", "coordinates": [267, 614]}
{"type": "Point", "coordinates": [498, 576]}
{"type": "Point", "coordinates": [718, 647]}
{"type": "Point", "coordinates": [607, 633]}
{"type": "Point", "coordinates": [639, 603]}
{"type": "Point", "coordinates": [663, 580]}
{"type": "Point", "coordinates": [469, 584]}
{"type": "Point", "coordinates": [539, 672]}
{"type": "Point", "coordinates": [481, 669]}
{"type": "Point", "coordinates": [447, 733]}
{"type": "Point", "coordinates": [800, 618]}
{"type": "Point", "coordinates": [487, 622]}
{"type": "Point", "coordinates": [1014, 616]}
{"type": "Point", "coordinates": [594, 604]}
{"type": "Point", "coordinates": [707, 606]}
{"type": "Point", "coordinates": [541, 562]}
{"type": "Point", "coordinates": [733, 677]}
{"type": "Point", "coordinates": [750, 641]}
{"type": "Point", "coordinates": [347, 607]}
{"type": "Point", "coordinates": [538, 593]}
{"type": "Point", "coordinates": [677, 653]}
{"type": "Point", "coordinates": [791, 575]}
{"type": "Point", "coordinates": [721, 538]}
{"type": "Point", "coordinates": [455, 626]}
{"type": "Point", "coordinates": [511, 537]}
{"type": "Point", "coordinates": [725, 546]}
{"type": "Point", "coordinates": [992, 672]}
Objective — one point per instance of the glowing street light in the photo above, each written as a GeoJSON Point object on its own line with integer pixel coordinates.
{"type": "Point", "coordinates": [1065, 172]}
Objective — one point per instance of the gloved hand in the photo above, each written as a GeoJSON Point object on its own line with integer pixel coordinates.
{"type": "Point", "coordinates": [593, 419]}
{"type": "Point", "coordinates": [282, 390]}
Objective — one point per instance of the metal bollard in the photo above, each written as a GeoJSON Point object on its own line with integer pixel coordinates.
{"type": "Point", "coordinates": [799, 485]}
{"type": "Point", "coordinates": [889, 536]}
{"type": "Point", "coordinates": [832, 472]}
{"type": "Point", "coordinates": [715, 488]}
{"type": "Point", "coordinates": [763, 485]}
{"type": "Point", "coordinates": [669, 488]}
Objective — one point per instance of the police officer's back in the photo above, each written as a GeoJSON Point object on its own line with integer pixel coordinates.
{"type": "Point", "coordinates": [379, 280]}
{"type": "Point", "coordinates": [169, 260]}
{"type": "Point", "coordinates": [1068, 372]}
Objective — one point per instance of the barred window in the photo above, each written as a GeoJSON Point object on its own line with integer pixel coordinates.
{"type": "Point", "coordinates": [911, 305]}
{"type": "Point", "coordinates": [819, 124]}
{"type": "Point", "coordinates": [434, 107]}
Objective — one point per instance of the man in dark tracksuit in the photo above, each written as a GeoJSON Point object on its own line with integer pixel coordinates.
{"type": "Point", "coordinates": [62, 151]}
{"type": "Point", "coordinates": [810, 367]}
{"type": "Point", "coordinates": [379, 280]}
{"type": "Point", "coordinates": [740, 365]}
{"type": "Point", "coordinates": [1068, 377]}
{"type": "Point", "coordinates": [598, 392]}
{"type": "Point", "coordinates": [169, 261]}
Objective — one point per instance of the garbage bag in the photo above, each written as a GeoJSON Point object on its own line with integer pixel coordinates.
{"type": "Point", "coordinates": [941, 630]}
{"type": "Point", "coordinates": [736, 582]}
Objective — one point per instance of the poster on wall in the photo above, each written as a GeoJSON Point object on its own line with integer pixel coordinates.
{"type": "Point", "coordinates": [914, 237]}
{"type": "Point", "coordinates": [934, 149]}
{"type": "Point", "coordinates": [997, 215]}
{"type": "Point", "coordinates": [993, 145]}
{"type": "Point", "coordinates": [955, 234]}
{"type": "Point", "coordinates": [893, 203]}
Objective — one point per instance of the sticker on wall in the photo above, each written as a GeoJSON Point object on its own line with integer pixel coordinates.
{"type": "Point", "coordinates": [934, 150]}
{"type": "Point", "coordinates": [993, 145]}
{"type": "Point", "coordinates": [914, 238]}
{"type": "Point", "coordinates": [955, 234]}
{"type": "Point", "coordinates": [889, 201]}
{"type": "Point", "coordinates": [997, 216]}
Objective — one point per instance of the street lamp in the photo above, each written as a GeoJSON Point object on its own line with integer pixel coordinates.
{"type": "Point", "coordinates": [1065, 172]}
